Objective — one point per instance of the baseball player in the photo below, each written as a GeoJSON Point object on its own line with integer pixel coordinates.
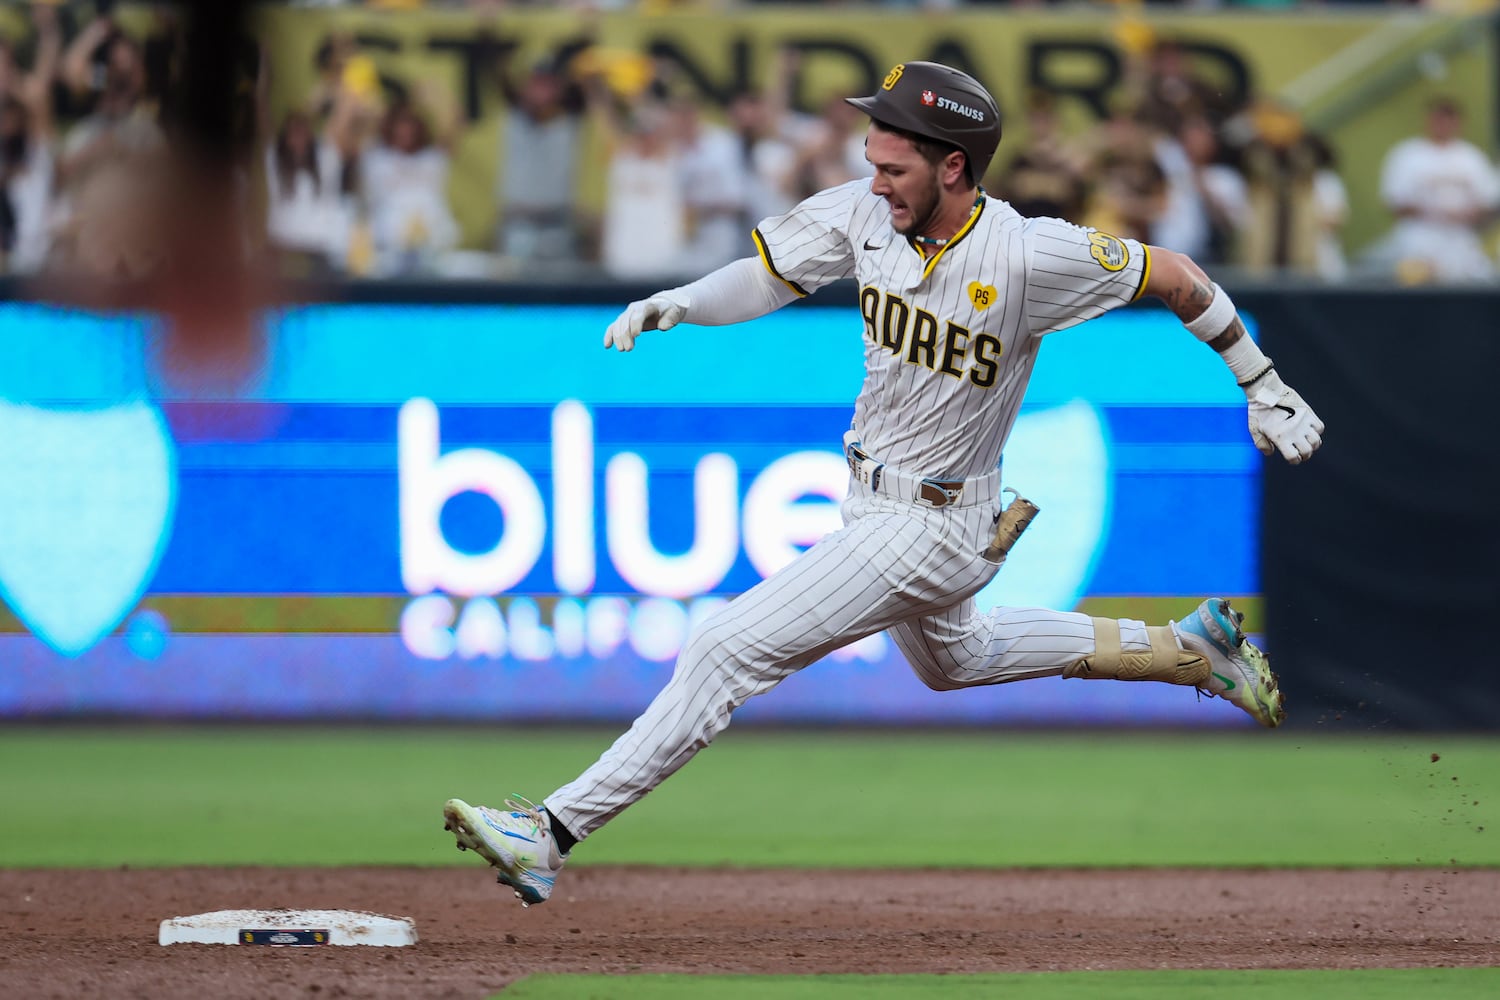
{"type": "Point", "coordinates": [956, 291]}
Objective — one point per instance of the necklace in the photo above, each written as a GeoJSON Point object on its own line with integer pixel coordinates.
{"type": "Point", "coordinates": [929, 241]}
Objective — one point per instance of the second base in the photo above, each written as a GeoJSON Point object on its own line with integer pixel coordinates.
{"type": "Point", "coordinates": [289, 928]}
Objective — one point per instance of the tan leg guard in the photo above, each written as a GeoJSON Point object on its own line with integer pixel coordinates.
{"type": "Point", "coordinates": [1166, 661]}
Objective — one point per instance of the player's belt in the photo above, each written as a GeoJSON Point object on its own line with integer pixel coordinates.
{"type": "Point", "coordinates": [881, 478]}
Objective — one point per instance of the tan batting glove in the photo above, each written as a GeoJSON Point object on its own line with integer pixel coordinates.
{"type": "Point", "coordinates": [661, 311]}
{"type": "Point", "coordinates": [1280, 420]}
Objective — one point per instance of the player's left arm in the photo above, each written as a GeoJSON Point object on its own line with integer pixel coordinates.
{"type": "Point", "coordinates": [1280, 420]}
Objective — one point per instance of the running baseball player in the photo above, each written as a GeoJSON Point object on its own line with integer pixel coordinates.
{"type": "Point", "coordinates": [956, 291]}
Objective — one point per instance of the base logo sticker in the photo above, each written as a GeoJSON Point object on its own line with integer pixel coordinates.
{"type": "Point", "coordinates": [284, 938]}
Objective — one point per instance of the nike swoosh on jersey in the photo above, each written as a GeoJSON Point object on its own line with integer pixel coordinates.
{"type": "Point", "coordinates": [871, 246]}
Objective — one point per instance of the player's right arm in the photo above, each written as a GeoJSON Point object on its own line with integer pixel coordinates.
{"type": "Point", "coordinates": [1280, 420]}
{"type": "Point", "coordinates": [739, 291]}
{"type": "Point", "coordinates": [798, 252]}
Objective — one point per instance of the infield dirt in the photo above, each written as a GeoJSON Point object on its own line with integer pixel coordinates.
{"type": "Point", "coordinates": [72, 933]}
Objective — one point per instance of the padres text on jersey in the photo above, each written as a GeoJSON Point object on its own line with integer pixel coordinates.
{"type": "Point", "coordinates": [950, 339]}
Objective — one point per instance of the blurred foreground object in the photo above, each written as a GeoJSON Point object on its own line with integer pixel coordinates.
{"type": "Point", "coordinates": [156, 188]}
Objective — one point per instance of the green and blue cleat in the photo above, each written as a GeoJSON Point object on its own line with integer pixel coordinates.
{"type": "Point", "coordinates": [1238, 671]}
{"type": "Point", "coordinates": [517, 841]}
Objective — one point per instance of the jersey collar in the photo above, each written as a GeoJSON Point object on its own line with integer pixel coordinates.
{"type": "Point", "coordinates": [963, 231]}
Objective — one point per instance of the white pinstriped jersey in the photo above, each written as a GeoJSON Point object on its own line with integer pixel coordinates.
{"type": "Point", "coordinates": [949, 340]}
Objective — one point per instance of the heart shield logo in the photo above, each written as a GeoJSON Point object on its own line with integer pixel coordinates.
{"type": "Point", "coordinates": [85, 500]}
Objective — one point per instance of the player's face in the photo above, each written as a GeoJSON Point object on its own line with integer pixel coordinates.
{"type": "Point", "coordinates": [907, 182]}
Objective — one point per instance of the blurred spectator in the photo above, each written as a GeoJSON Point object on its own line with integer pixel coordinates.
{"type": "Point", "coordinates": [1129, 197]}
{"type": "Point", "coordinates": [1168, 91]}
{"type": "Point", "coordinates": [121, 123]}
{"type": "Point", "coordinates": [1281, 162]}
{"type": "Point", "coordinates": [539, 165]}
{"type": "Point", "coordinates": [405, 182]}
{"type": "Point", "coordinates": [1047, 176]}
{"type": "Point", "coordinates": [1207, 200]}
{"type": "Point", "coordinates": [1129, 192]}
{"type": "Point", "coordinates": [1331, 205]}
{"type": "Point", "coordinates": [309, 195]}
{"type": "Point", "coordinates": [832, 148]}
{"type": "Point", "coordinates": [26, 141]}
{"type": "Point", "coordinates": [110, 179]}
{"type": "Point", "coordinates": [1182, 224]}
{"type": "Point", "coordinates": [771, 136]}
{"type": "Point", "coordinates": [1442, 190]}
{"type": "Point", "coordinates": [644, 229]}
{"type": "Point", "coordinates": [770, 161]}
{"type": "Point", "coordinates": [331, 65]}
{"type": "Point", "coordinates": [714, 185]}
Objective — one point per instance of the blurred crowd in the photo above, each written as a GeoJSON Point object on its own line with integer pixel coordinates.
{"type": "Point", "coordinates": [1176, 164]}
{"type": "Point", "coordinates": [652, 6]}
{"type": "Point", "coordinates": [358, 176]}
{"type": "Point", "coordinates": [354, 176]}
{"type": "Point", "coordinates": [76, 123]}
{"type": "Point", "coordinates": [1251, 186]}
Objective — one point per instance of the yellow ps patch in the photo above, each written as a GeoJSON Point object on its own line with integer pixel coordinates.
{"type": "Point", "coordinates": [1109, 251]}
{"type": "Point", "coordinates": [893, 76]}
{"type": "Point", "coordinates": [983, 296]}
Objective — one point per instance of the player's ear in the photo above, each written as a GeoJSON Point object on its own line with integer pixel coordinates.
{"type": "Point", "coordinates": [953, 169]}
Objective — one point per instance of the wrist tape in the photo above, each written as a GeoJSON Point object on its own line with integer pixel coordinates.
{"type": "Point", "coordinates": [1215, 319]}
{"type": "Point", "coordinates": [1246, 361]}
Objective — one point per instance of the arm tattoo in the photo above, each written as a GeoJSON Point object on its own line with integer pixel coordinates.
{"type": "Point", "coordinates": [1188, 303]}
{"type": "Point", "coordinates": [1229, 337]}
{"type": "Point", "coordinates": [1200, 297]}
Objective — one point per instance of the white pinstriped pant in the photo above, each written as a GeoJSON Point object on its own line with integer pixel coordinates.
{"type": "Point", "coordinates": [894, 566]}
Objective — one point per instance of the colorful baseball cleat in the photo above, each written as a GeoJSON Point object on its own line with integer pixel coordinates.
{"type": "Point", "coordinates": [1238, 671]}
{"type": "Point", "coordinates": [517, 841]}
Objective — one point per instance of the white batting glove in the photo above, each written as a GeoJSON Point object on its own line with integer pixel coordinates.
{"type": "Point", "coordinates": [1280, 420]}
{"type": "Point", "coordinates": [661, 311]}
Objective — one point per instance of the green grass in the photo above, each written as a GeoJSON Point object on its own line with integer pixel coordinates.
{"type": "Point", "coordinates": [1362, 984]}
{"type": "Point", "coordinates": [142, 796]}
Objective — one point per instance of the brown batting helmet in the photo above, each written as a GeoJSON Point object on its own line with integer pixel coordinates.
{"type": "Point", "coordinates": [938, 102]}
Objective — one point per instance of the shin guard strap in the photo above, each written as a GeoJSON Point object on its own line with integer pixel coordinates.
{"type": "Point", "coordinates": [1107, 658]}
{"type": "Point", "coordinates": [1170, 662]}
{"type": "Point", "coordinates": [1165, 661]}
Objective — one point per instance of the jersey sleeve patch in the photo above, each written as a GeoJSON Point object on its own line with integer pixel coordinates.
{"type": "Point", "coordinates": [1075, 273]}
{"type": "Point", "coordinates": [1110, 251]}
